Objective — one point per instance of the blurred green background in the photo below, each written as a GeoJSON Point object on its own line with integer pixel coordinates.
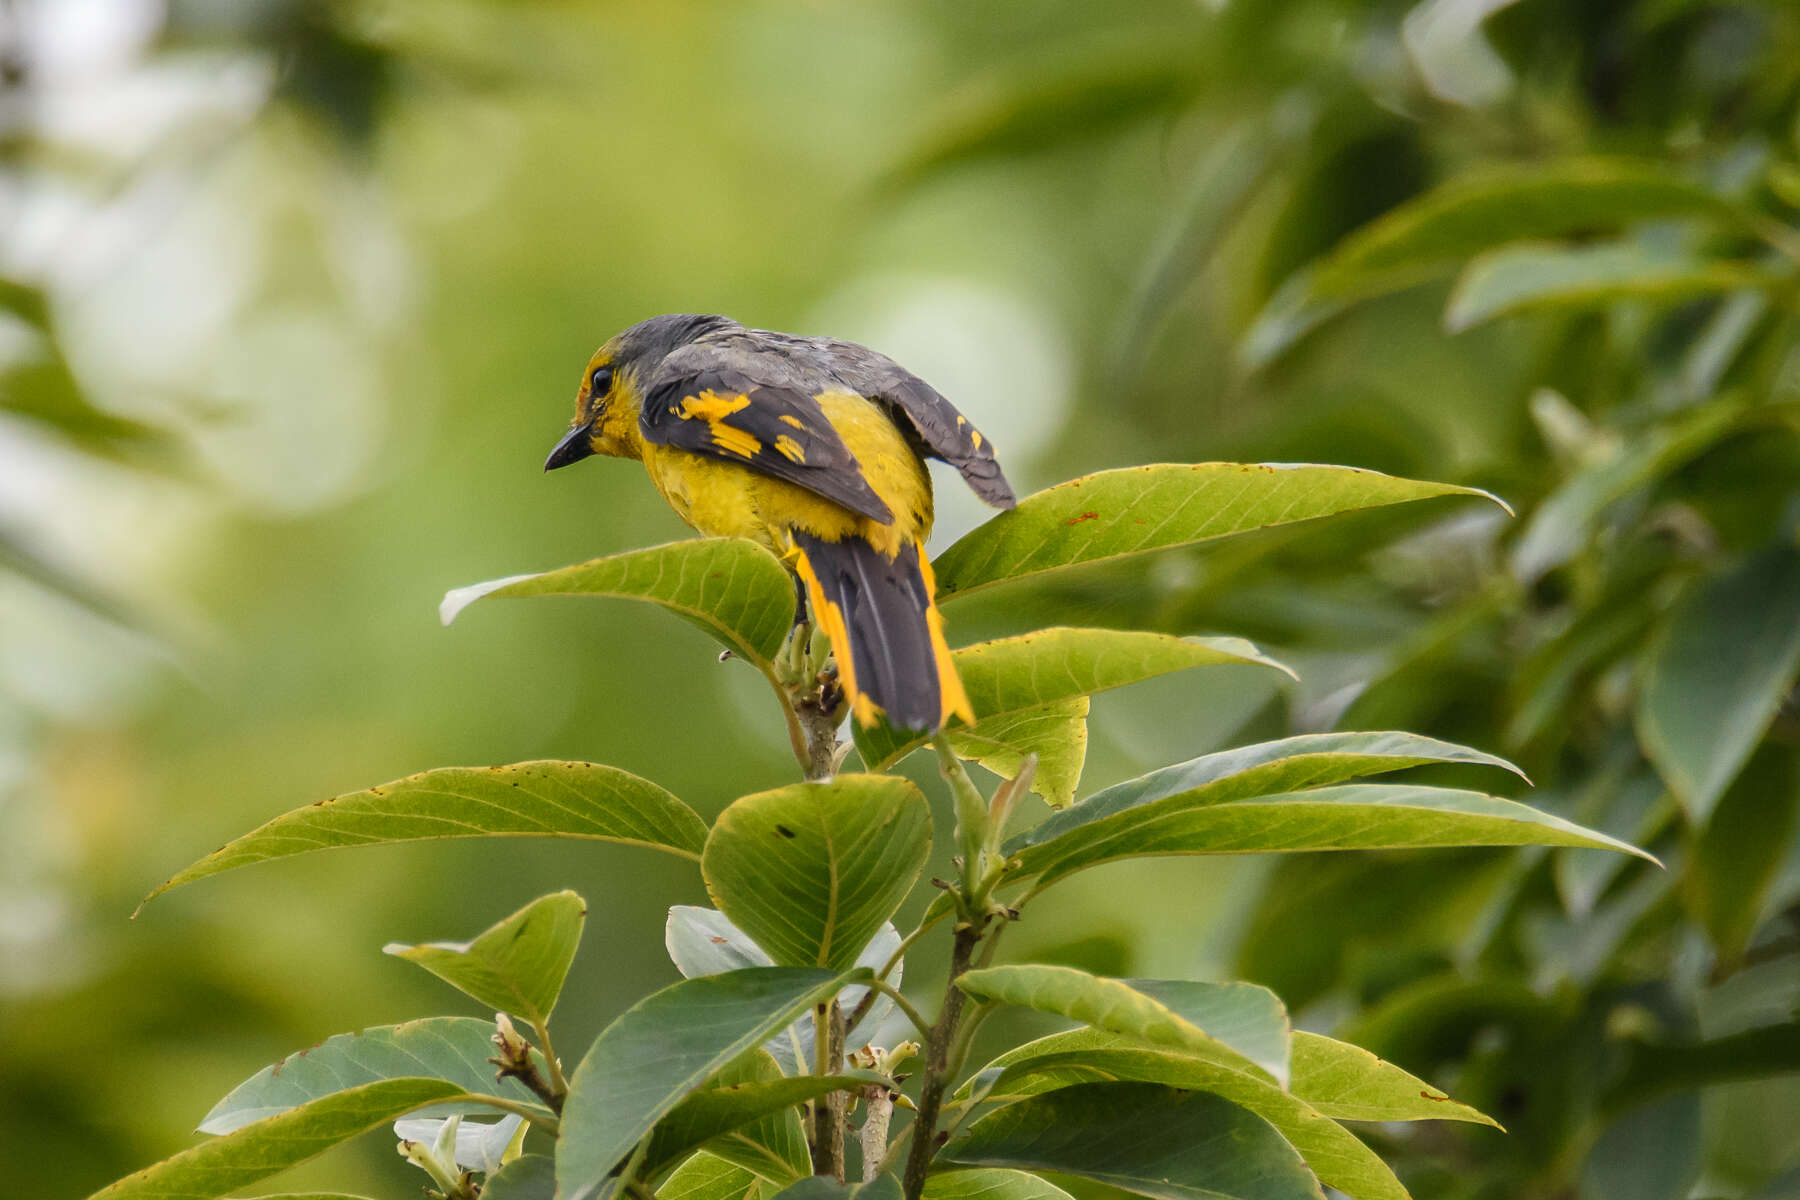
{"type": "Point", "coordinates": [294, 298]}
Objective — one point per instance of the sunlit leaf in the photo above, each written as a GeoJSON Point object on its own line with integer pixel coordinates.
{"type": "Point", "coordinates": [1145, 1138]}
{"type": "Point", "coordinates": [665, 1046]}
{"type": "Point", "coordinates": [1717, 675]}
{"type": "Point", "coordinates": [1017, 674]}
{"type": "Point", "coordinates": [991, 1183]}
{"type": "Point", "coordinates": [455, 1049]}
{"type": "Point", "coordinates": [812, 871]}
{"type": "Point", "coordinates": [1136, 510]}
{"type": "Point", "coordinates": [1239, 1024]}
{"type": "Point", "coordinates": [1534, 277]}
{"type": "Point", "coordinates": [1056, 733]}
{"type": "Point", "coordinates": [518, 966]}
{"type": "Point", "coordinates": [709, 1177]}
{"type": "Point", "coordinates": [267, 1147]}
{"type": "Point", "coordinates": [1350, 1084]}
{"type": "Point", "coordinates": [547, 798]}
{"type": "Point", "coordinates": [1074, 836]}
{"type": "Point", "coordinates": [1337, 1156]}
{"type": "Point", "coordinates": [733, 589]}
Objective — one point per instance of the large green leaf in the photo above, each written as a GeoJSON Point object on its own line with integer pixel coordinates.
{"type": "Point", "coordinates": [546, 798]}
{"type": "Point", "coordinates": [733, 589]}
{"type": "Point", "coordinates": [991, 1183]}
{"type": "Point", "coordinates": [1739, 855]}
{"type": "Point", "coordinates": [1014, 675]}
{"type": "Point", "coordinates": [1350, 1084]}
{"type": "Point", "coordinates": [1718, 673]}
{"type": "Point", "coordinates": [268, 1147]}
{"type": "Point", "coordinates": [811, 871]}
{"type": "Point", "coordinates": [528, 1177]}
{"type": "Point", "coordinates": [1077, 834]}
{"type": "Point", "coordinates": [1534, 276]}
{"type": "Point", "coordinates": [1239, 1024]}
{"type": "Point", "coordinates": [1136, 510]}
{"type": "Point", "coordinates": [662, 1048]}
{"type": "Point", "coordinates": [1352, 816]}
{"type": "Point", "coordinates": [455, 1049]}
{"type": "Point", "coordinates": [746, 1115]}
{"type": "Point", "coordinates": [1056, 733]}
{"type": "Point", "coordinates": [519, 965]}
{"type": "Point", "coordinates": [1145, 1138]}
{"type": "Point", "coordinates": [1338, 1157]}
{"type": "Point", "coordinates": [709, 1177]}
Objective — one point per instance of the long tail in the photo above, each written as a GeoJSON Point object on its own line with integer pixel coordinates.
{"type": "Point", "coordinates": [885, 631]}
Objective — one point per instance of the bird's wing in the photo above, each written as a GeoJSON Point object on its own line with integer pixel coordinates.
{"type": "Point", "coordinates": [734, 400]}
{"type": "Point", "coordinates": [944, 432]}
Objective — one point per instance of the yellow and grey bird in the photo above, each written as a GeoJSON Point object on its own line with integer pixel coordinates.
{"type": "Point", "coordinates": [815, 449]}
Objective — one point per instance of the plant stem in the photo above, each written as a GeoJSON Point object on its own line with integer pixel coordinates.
{"type": "Point", "coordinates": [547, 1122]}
{"type": "Point", "coordinates": [829, 1111]}
{"type": "Point", "coordinates": [937, 1061]}
{"type": "Point", "coordinates": [971, 825]}
{"type": "Point", "coordinates": [905, 1006]}
{"type": "Point", "coordinates": [558, 1085]}
{"type": "Point", "coordinates": [879, 1103]}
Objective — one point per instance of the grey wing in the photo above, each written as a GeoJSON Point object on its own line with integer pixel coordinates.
{"type": "Point", "coordinates": [941, 431]}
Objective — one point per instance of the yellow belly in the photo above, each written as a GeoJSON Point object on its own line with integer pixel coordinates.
{"type": "Point", "coordinates": [727, 499]}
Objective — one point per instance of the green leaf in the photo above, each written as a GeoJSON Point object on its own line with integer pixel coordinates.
{"type": "Point", "coordinates": [1136, 510]}
{"type": "Point", "coordinates": [991, 1183]}
{"type": "Point", "coordinates": [733, 589]}
{"type": "Point", "coordinates": [519, 965]}
{"type": "Point", "coordinates": [1532, 277]}
{"type": "Point", "coordinates": [528, 1177]}
{"type": "Point", "coordinates": [546, 798]}
{"type": "Point", "coordinates": [1349, 1084]}
{"type": "Point", "coordinates": [1338, 1157]}
{"type": "Point", "coordinates": [746, 1115]}
{"type": "Point", "coordinates": [664, 1047]}
{"type": "Point", "coordinates": [454, 1049]}
{"type": "Point", "coordinates": [1353, 816]}
{"type": "Point", "coordinates": [1652, 1153]}
{"type": "Point", "coordinates": [1142, 1137]}
{"type": "Point", "coordinates": [1238, 1024]}
{"type": "Point", "coordinates": [1075, 836]}
{"type": "Point", "coordinates": [1739, 855]}
{"type": "Point", "coordinates": [268, 1147]}
{"type": "Point", "coordinates": [1716, 676]}
{"type": "Point", "coordinates": [1056, 733]}
{"type": "Point", "coordinates": [811, 871]}
{"type": "Point", "coordinates": [1012, 675]}
{"type": "Point", "coordinates": [708, 1177]}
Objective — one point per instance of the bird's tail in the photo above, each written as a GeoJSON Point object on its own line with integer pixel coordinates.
{"type": "Point", "coordinates": [882, 618]}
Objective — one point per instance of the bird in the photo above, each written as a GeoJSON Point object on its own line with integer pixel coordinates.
{"type": "Point", "coordinates": [813, 448]}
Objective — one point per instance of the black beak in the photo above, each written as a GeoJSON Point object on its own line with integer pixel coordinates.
{"type": "Point", "coordinates": [573, 448]}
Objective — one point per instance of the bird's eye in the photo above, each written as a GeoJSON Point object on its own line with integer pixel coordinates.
{"type": "Point", "coordinates": [601, 383]}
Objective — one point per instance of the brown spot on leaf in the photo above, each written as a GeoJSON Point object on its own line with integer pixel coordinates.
{"type": "Point", "coordinates": [718, 941]}
{"type": "Point", "coordinates": [1086, 516]}
{"type": "Point", "coordinates": [1429, 1095]}
{"type": "Point", "coordinates": [784, 831]}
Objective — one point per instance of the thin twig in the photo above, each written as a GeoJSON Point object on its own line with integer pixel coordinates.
{"type": "Point", "coordinates": [905, 1006]}
{"type": "Point", "coordinates": [937, 1064]}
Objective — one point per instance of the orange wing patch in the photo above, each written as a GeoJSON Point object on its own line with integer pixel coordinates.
{"type": "Point", "coordinates": [793, 451]}
{"type": "Point", "coordinates": [713, 408]}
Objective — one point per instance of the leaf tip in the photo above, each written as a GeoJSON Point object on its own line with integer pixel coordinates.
{"type": "Point", "coordinates": [457, 599]}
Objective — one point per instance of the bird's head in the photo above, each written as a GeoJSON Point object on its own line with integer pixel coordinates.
{"type": "Point", "coordinates": [611, 393]}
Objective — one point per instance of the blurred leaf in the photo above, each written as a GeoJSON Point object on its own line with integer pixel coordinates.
{"type": "Point", "coordinates": [1566, 521]}
{"type": "Point", "coordinates": [703, 941]}
{"type": "Point", "coordinates": [1086, 89]}
{"type": "Point", "coordinates": [991, 1184]}
{"type": "Point", "coordinates": [1137, 510]}
{"type": "Point", "coordinates": [663, 1047]}
{"type": "Point", "coordinates": [1658, 1069]}
{"type": "Point", "coordinates": [1353, 816]}
{"type": "Point", "coordinates": [1238, 1024]}
{"type": "Point", "coordinates": [546, 798]}
{"type": "Point", "coordinates": [528, 1177]}
{"type": "Point", "coordinates": [1350, 1084]}
{"type": "Point", "coordinates": [270, 1146]}
{"type": "Point", "coordinates": [1716, 676]}
{"type": "Point", "coordinates": [1011, 675]}
{"type": "Point", "coordinates": [1056, 733]}
{"type": "Point", "coordinates": [1534, 277]}
{"type": "Point", "coordinates": [1280, 766]}
{"type": "Point", "coordinates": [1142, 1137]}
{"type": "Point", "coordinates": [746, 1115]}
{"type": "Point", "coordinates": [518, 966]}
{"type": "Point", "coordinates": [733, 589]}
{"type": "Point", "coordinates": [812, 871]}
{"type": "Point", "coordinates": [709, 1177]}
{"type": "Point", "coordinates": [1740, 853]}
{"type": "Point", "coordinates": [455, 1049]}
{"type": "Point", "coordinates": [1336, 1155]}
{"type": "Point", "coordinates": [18, 557]}
{"type": "Point", "coordinates": [1653, 1153]}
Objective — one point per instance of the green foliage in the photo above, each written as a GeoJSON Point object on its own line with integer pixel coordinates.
{"type": "Point", "coordinates": [519, 965]}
